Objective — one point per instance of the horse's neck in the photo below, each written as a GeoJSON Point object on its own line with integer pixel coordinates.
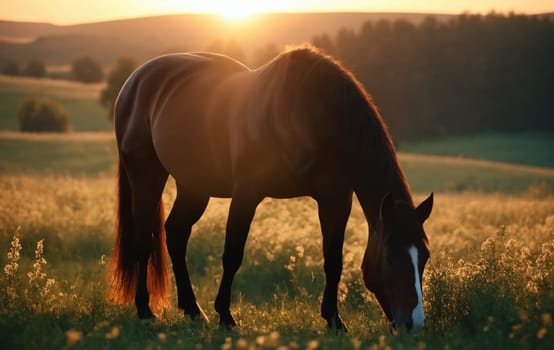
{"type": "Point", "coordinates": [370, 191]}
{"type": "Point", "coordinates": [374, 183]}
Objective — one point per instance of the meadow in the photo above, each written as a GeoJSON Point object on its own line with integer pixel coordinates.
{"type": "Point", "coordinates": [489, 282]}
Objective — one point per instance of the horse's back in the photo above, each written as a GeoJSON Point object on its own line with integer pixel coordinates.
{"type": "Point", "coordinates": [165, 104]}
{"type": "Point", "coordinates": [285, 129]}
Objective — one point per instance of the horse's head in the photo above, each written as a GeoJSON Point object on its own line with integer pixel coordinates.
{"type": "Point", "coordinates": [394, 262]}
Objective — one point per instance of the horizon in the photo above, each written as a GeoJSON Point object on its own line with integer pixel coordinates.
{"type": "Point", "coordinates": [67, 12]}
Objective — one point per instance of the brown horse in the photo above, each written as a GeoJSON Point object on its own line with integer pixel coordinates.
{"type": "Point", "coordinates": [301, 125]}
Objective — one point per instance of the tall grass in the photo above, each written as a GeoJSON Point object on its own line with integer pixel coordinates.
{"type": "Point", "coordinates": [489, 281]}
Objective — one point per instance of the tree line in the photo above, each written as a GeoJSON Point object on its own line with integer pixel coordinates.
{"type": "Point", "coordinates": [470, 74]}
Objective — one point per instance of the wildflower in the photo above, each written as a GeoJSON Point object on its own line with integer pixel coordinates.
{"type": "Point", "coordinates": [73, 336]}
{"type": "Point", "coordinates": [242, 343]}
{"type": "Point", "coordinates": [546, 319]}
{"type": "Point", "coordinates": [260, 340]}
{"type": "Point", "coordinates": [272, 339]}
{"type": "Point", "coordinates": [342, 292]}
{"type": "Point", "coordinates": [10, 270]}
{"type": "Point", "coordinates": [290, 265]}
{"type": "Point", "coordinates": [300, 251]}
{"type": "Point", "coordinates": [114, 333]}
{"type": "Point", "coordinates": [542, 333]}
{"type": "Point", "coordinates": [312, 345]}
{"type": "Point", "coordinates": [37, 275]}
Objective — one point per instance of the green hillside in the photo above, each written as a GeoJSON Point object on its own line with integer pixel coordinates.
{"type": "Point", "coordinates": [79, 100]}
{"type": "Point", "coordinates": [529, 148]}
{"type": "Point", "coordinates": [148, 36]}
{"type": "Point", "coordinates": [92, 154]}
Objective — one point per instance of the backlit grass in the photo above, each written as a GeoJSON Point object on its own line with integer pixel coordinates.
{"type": "Point", "coordinates": [489, 282]}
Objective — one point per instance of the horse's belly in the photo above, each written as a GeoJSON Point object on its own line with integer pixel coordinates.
{"type": "Point", "coordinates": [188, 158]}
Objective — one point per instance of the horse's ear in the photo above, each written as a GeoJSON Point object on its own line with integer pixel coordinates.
{"type": "Point", "coordinates": [386, 210]}
{"type": "Point", "coordinates": [424, 209]}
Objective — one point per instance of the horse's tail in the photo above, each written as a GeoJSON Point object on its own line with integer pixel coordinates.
{"type": "Point", "coordinates": [158, 265]}
{"type": "Point", "coordinates": [124, 268]}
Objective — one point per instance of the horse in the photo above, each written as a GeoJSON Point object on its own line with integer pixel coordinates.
{"type": "Point", "coordinates": [301, 125]}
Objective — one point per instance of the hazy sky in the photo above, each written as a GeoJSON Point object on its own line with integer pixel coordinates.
{"type": "Point", "coordinates": [74, 11]}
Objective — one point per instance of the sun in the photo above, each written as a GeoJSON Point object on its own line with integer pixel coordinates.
{"type": "Point", "coordinates": [236, 12]}
{"type": "Point", "coordinates": [239, 9]}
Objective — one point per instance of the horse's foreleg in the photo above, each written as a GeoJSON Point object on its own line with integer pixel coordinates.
{"type": "Point", "coordinates": [187, 209]}
{"type": "Point", "coordinates": [241, 212]}
{"type": "Point", "coordinates": [334, 210]}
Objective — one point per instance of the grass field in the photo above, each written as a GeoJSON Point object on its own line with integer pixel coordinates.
{"type": "Point", "coordinates": [529, 148]}
{"type": "Point", "coordinates": [92, 154]}
{"type": "Point", "coordinates": [79, 100]}
{"type": "Point", "coordinates": [489, 283]}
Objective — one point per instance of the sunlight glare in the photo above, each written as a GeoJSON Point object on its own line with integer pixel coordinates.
{"type": "Point", "coordinates": [236, 12]}
{"type": "Point", "coordinates": [240, 9]}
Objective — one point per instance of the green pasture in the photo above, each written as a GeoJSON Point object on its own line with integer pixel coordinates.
{"type": "Point", "coordinates": [92, 154]}
{"type": "Point", "coordinates": [79, 100]}
{"type": "Point", "coordinates": [529, 148]}
{"type": "Point", "coordinates": [74, 154]}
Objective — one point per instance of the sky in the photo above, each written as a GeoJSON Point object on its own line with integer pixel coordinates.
{"type": "Point", "coordinates": [74, 11]}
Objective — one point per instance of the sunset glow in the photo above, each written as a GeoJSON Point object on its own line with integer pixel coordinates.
{"type": "Point", "coordinates": [240, 10]}
{"type": "Point", "coordinates": [70, 11]}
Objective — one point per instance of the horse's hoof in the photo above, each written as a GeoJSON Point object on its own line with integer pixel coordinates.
{"type": "Point", "coordinates": [337, 326]}
{"type": "Point", "coordinates": [227, 322]}
{"type": "Point", "coordinates": [145, 314]}
{"type": "Point", "coordinates": [199, 316]}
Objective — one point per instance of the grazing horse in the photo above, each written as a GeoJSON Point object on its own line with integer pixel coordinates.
{"type": "Point", "coordinates": [301, 125]}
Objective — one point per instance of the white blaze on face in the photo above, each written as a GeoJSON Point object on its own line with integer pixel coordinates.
{"type": "Point", "coordinates": [418, 318]}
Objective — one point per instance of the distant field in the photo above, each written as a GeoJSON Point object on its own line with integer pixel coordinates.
{"type": "Point", "coordinates": [70, 154]}
{"type": "Point", "coordinates": [531, 148]}
{"type": "Point", "coordinates": [91, 154]}
{"type": "Point", "coordinates": [79, 100]}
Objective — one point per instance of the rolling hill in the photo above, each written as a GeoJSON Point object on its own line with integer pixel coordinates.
{"type": "Point", "coordinates": [149, 36]}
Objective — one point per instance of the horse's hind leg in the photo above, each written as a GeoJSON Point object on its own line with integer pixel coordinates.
{"type": "Point", "coordinates": [147, 180]}
{"type": "Point", "coordinates": [187, 209]}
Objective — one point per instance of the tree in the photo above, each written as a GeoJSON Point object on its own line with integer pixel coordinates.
{"type": "Point", "coordinates": [116, 78]}
{"type": "Point", "coordinates": [87, 69]}
{"type": "Point", "coordinates": [42, 114]}
{"type": "Point", "coordinates": [35, 68]}
{"type": "Point", "coordinates": [11, 68]}
{"type": "Point", "coordinates": [324, 42]}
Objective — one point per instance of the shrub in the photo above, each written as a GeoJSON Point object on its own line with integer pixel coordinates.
{"type": "Point", "coordinates": [11, 68]}
{"type": "Point", "coordinates": [38, 115]}
{"type": "Point", "coordinates": [87, 70]}
{"type": "Point", "coordinates": [35, 69]}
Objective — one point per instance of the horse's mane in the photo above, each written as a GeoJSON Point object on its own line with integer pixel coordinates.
{"type": "Point", "coordinates": [365, 135]}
